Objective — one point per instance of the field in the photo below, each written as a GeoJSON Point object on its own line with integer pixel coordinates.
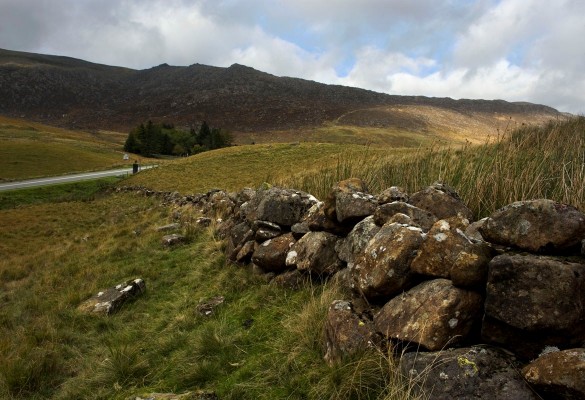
{"type": "Point", "coordinates": [31, 150]}
{"type": "Point", "coordinates": [264, 342]}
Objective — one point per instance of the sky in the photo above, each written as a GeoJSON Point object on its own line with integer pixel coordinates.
{"type": "Point", "coordinates": [515, 50]}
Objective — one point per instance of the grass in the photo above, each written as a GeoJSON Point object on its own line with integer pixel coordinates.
{"type": "Point", "coordinates": [237, 167]}
{"type": "Point", "coordinates": [30, 150]}
{"type": "Point", "coordinates": [527, 163]}
{"type": "Point", "coordinates": [264, 342]}
{"type": "Point", "coordinates": [63, 193]}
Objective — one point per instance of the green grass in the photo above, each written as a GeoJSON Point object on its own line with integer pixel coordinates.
{"type": "Point", "coordinates": [264, 342]}
{"type": "Point", "coordinates": [78, 191]}
{"type": "Point", "coordinates": [30, 150]}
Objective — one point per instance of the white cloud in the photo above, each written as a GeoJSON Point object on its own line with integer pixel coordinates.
{"type": "Point", "coordinates": [510, 49]}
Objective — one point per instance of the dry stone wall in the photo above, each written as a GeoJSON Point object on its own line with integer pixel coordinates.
{"type": "Point", "coordinates": [472, 303]}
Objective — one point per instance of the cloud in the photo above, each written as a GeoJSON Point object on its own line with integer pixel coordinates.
{"type": "Point", "coordinates": [510, 49]}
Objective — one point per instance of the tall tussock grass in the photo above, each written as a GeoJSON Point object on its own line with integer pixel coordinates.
{"type": "Point", "coordinates": [527, 163]}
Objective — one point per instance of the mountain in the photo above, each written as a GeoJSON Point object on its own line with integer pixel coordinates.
{"type": "Point", "coordinates": [74, 93]}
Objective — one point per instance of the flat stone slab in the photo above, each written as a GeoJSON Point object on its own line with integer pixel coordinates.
{"type": "Point", "coordinates": [109, 301]}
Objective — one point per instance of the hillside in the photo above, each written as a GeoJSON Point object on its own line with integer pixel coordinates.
{"type": "Point", "coordinates": [73, 93]}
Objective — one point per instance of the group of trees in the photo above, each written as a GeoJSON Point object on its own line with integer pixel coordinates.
{"type": "Point", "coordinates": [164, 139]}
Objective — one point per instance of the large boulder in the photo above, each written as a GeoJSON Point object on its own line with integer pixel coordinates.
{"type": "Point", "coordinates": [355, 243]}
{"type": "Point", "coordinates": [383, 269]}
{"type": "Point", "coordinates": [448, 253]}
{"type": "Point", "coordinates": [558, 375]}
{"type": "Point", "coordinates": [284, 207]}
{"type": "Point", "coordinates": [442, 201]}
{"type": "Point", "coordinates": [110, 300]}
{"type": "Point", "coordinates": [271, 254]}
{"type": "Point", "coordinates": [349, 201]}
{"type": "Point", "coordinates": [466, 373]}
{"type": "Point", "coordinates": [434, 314]}
{"type": "Point", "coordinates": [422, 218]}
{"type": "Point", "coordinates": [533, 301]}
{"type": "Point", "coordinates": [315, 253]}
{"type": "Point", "coordinates": [345, 333]}
{"type": "Point", "coordinates": [536, 226]}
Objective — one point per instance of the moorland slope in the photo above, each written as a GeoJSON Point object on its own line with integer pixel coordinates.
{"type": "Point", "coordinates": [74, 93]}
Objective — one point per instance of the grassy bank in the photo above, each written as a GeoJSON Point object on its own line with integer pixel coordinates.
{"type": "Point", "coordinates": [264, 342]}
{"type": "Point", "coordinates": [527, 163]}
{"type": "Point", "coordinates": [30, 150]}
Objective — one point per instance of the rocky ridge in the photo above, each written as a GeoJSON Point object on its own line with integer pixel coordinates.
{"type": "Point", "coordinates": [78, 94]}
{"type": "Point", "coordinates": [468, 311]}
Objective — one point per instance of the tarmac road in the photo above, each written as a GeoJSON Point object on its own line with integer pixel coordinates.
{"type": "Point", "coordinates": [67, 178]}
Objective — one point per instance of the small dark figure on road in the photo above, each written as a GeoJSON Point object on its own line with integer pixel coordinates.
{"type": "Point", "coordinates": [135, 167]}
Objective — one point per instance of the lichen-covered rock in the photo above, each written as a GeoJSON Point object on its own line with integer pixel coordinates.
{"type": "Point", "coordinates": [354, 244]}
{"type": "Point", "coordinates": [265, 230]}
{"type": "Point", "coordinates": [558, 375]}
{"type": "Point", "coordinates": [422, 218]}
{"type": "Point", "coordinates": [316, 220]}
{"type": "Point", "coordinates": [466, 373]}
{"type": "Point", "coordinates": [246, 251]}
{"type": "Point", "coordinates": [538, 226]}
{"type": "Point", "coordinates": [434, 314]}
{"type": "Point", "coordinates": [237, 236]}
{"type": "Point", "coordinates": [173, 239]}
{"type": "Point", "coordinates": [271, 254]}
{"type": "Point", "coordinates": [535, 293]}
{"type": "Point", "coordinates": [472, 230]}
{"type": "Point", "coordinates": [109, 301]}
{"type": "Point", "coordinates": [393, 193]}
{"type": "Point", "coordinates": [349, 201]}
{"type": "Point", "coordinates": [534, 301]}
{"type": "Point", "coordinates": [315, 252]}
{"type": "Point", "coordinates": [284, 207]}
{"type": "Point", "coordinates": [345, 333]}
{"type": "Point", "coordinates": [448, 253]}
{"type": "Point", "coordinates": [383, 269]}
{"type": "Point", "coordinates": [442, 201]}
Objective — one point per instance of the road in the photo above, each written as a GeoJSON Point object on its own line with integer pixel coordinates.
{"type": "Point", "coordinates": [67, 178]}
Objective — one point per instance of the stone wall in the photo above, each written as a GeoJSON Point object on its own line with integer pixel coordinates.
{"type": "Point", "coordinates": [481, 309]}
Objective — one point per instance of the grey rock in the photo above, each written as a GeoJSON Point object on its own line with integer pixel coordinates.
{"type": "Point", "coordinates": [110, 300]}
{"type": "Point", "coordinates": [466, 373]}
{"type": "Point", "coordinates": [349, 202]}
{"type": "Point", "coordinates": [284, 207]}
{"type": "Point", "coordinates": [271, 254]}
{"type": "Point", "coordinates": [422, 218]}
{"type": "Point", "coordinates": [393, 193]}
{"type": "Point", "coordinates": [173, 239]}
{"type": "Point", "coordinates": [541, 226]}
{"type": "Point", "coordinates": [355, 242]}
{"type": "Point", "coordinates": [383, 269]}
{"type": "Point", "coordinates": [434, 314]}
{"type": "Point", "coordinates": [207, 307]}
{"type": "Point", "coordinates": [345, 333]}
{"type": "Point", "coordinates": [442, 201]}
{"type": "Point", "coordinates": [315, 253]}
